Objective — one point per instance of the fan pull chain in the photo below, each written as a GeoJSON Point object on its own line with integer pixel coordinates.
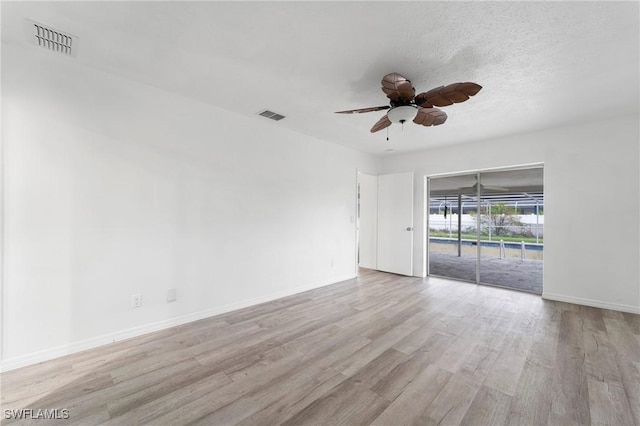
{"type": "Point", "coordinates": [387, 133]}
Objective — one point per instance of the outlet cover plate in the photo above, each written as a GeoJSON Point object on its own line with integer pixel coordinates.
{"type": "Point", "coordinates": [136, 300]}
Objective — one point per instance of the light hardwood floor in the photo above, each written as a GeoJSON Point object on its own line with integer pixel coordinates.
{"type": "Point", "coordinates": [381, 349]}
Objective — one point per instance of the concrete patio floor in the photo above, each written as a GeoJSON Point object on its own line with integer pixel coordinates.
{"type": "Point", "coordinates": [524, 275]}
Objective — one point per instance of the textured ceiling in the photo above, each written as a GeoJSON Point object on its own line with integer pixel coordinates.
{"type": "Point", "coordinates": [541, 64]}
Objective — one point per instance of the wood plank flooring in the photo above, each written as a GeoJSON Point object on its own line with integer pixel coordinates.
{"type": "Point", "coordinates": [380, 349]}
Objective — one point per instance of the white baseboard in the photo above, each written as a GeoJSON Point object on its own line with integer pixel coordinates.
{"type": "Point", "coordinates": [593, 303]}
{"type": "Point", "coordinates": [105, 339]}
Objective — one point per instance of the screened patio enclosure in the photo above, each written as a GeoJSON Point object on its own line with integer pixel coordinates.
{"type": "Point", "coordinates": [488, 227]}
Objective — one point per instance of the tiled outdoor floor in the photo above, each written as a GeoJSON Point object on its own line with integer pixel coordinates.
{"type": "Point", "coordinates": [508, 272]}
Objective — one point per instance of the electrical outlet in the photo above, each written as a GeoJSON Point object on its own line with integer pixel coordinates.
{"type": "Point", "coordinates": [136, 300]}
{"type": "Point", "coordinates": [172, 295]}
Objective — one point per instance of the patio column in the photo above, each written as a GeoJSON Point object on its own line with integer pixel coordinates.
{"type": "Point", "coordinates": [537, 222]}
{"type": "Point", "coordinates": [459, 225]}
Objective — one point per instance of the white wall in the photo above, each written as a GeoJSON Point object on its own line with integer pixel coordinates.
{"type": "Point", "coordinates": [113, 188]}
{"type": "Point", "coordinates": [591, 170]}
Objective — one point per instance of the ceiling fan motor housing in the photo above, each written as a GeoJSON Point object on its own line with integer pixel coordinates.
{"type": "Point", "coordinates": [400, 114]}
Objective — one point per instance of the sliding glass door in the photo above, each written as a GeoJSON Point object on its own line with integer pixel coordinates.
{"type": "Point", "coordinates": [487, 227]}
{"type": "Point", "coordinates": [452, 227]}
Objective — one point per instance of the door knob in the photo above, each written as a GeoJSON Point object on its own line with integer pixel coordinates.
{"type": "Point", "coordinates": [409, 228]}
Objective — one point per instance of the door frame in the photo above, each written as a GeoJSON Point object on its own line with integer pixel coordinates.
{"type": "Point", "coordinates": [426, 209]}
{"type": "Point", "coordinates": [358, 217]}
{"type": "Point", "coordinates": [358, 224]}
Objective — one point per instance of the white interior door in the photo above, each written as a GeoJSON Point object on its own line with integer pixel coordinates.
{"type": "Point", "coordinates": [367, 220]}
{"type": "Point", "coordinates": [395, 223]}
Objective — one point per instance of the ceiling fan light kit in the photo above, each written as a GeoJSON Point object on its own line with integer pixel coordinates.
{"type": "Point", "coordinates": [406, 105]}
{"type": "Point", "coordinates": [400, 114]}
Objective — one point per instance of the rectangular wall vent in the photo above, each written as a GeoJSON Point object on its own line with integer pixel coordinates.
{"type": "Point", "coordinates": [51, 39]}
{"type": "Point", "coordinates": [272, 115]}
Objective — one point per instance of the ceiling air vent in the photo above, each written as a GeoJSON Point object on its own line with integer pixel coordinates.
{"type": "Point", "coordinates": [51, 39]}
{"type": "Point", "coordinates": [272, 115]}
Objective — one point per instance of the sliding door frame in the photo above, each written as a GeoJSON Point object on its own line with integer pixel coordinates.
{"type": "Point", "coordinates": [427, 206]}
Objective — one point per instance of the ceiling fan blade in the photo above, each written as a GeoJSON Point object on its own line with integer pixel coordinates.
{"type": "Point", "coordinates": [384, 122]}
{"type": "Point", "coordinates": [398, 88]}
{"type": "Point", "coordinates": [494, 188]}
{"type": "Point", "coordinates": [474, 188]}
{"type": "Point", "coordinates": [447, 95]}
{"type": "Point", "coordinates": [430, 117]}
{"type": "Point", "coordinates": [361, 110]}
{"type": "Point", "coordinates": [468, 190]}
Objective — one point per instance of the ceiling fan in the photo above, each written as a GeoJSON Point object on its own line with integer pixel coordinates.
{"type": "Point", "coordinates": [474, 188]}
{"type": "Point", "coordinates": [406, 105]}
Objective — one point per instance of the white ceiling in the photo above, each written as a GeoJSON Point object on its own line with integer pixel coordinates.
{"type": "Point", "coordinates": [541, 64]}
{"type": "Point", "coordinates": [515, 180]}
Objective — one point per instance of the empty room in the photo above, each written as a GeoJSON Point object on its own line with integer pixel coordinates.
{"type": "Point", "coordinates": [322, 213]}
